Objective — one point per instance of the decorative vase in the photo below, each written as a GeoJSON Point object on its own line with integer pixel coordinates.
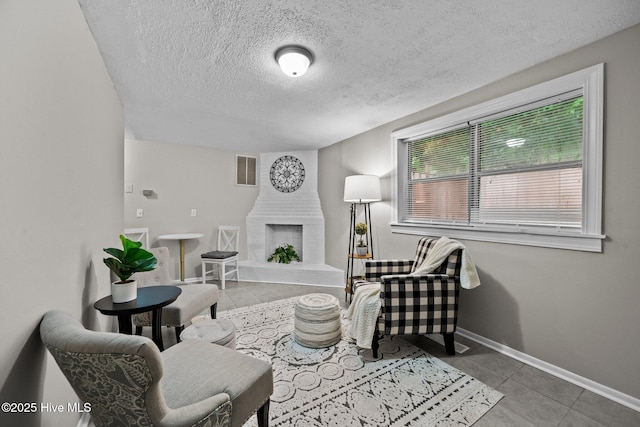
{"type": "Point", "coordinates": [361, 250]}
{"type": "Point", "coordinates": [124, 291]}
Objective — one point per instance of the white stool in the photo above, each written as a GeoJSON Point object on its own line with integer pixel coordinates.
{"type": "Point", "coordinates": [215, 331]}
{"type": "Point", "coordinates": [317, 321]}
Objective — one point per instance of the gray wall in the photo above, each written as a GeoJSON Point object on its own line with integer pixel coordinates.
{"type": "Point", "coordinates": [61, 170]}
{"type": "Point", "coordinates": [572, 309]}
{"type": "Point", "coordinates": [182, 178]}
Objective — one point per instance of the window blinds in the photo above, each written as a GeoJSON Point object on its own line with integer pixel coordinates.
{"type": "Point", "coordinates": [439, 177]}
{"type": "Point", "coordinates": [523, 166]}
{"type": "Point", "coordinates": [530, 166]}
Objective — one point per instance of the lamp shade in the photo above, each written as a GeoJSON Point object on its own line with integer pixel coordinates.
{"type": "Point", "coordinates": [362, 189]}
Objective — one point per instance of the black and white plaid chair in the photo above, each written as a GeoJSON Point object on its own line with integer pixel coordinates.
{"type": "Point", "coordinates": [416, 305]}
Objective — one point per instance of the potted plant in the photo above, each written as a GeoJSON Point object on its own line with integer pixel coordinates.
{"type": "Point", "coordinates": [284, 254]}
{"type": "Point", "coordinates": [127, 261]}
{"type": "Point", "coordinates": [361, 229]}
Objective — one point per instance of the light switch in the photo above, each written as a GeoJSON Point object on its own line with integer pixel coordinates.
{"type": "Point", "coordinates": [194, 212]}
{"type": "Point", "coordinates": [128, 188]}
{"type": "Point", "coordinates": [139, 213]}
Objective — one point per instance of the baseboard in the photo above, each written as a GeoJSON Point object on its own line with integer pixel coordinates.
{"type": "Point", "coordinates": [602, 390]}
{"type": "Point", "coordinates": [460, 348]}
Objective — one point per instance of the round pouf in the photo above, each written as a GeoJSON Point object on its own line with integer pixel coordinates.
{"type": "Point", "coordinates": [215, 331]}
{"type": "Point", "coordinates": [317, 321]}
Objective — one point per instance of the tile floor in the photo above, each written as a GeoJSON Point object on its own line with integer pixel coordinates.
{"type": "Point", "coordinates": [531, 397]}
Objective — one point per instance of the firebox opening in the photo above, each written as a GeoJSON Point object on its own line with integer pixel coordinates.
{"type": "Point", "coordinates": [278, 234]}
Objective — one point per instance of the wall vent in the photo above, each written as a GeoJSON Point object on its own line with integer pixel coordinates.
{"type": "Point", "coordinates": [246, 170]}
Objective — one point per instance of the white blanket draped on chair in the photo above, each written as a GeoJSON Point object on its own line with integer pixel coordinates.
{"type": "Point", "coordinates": [441, 250]}
{"type": "Point", "coordinates": [363, 313]}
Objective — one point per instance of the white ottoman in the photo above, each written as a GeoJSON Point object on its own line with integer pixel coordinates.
{"type": "Point", "coordinates": [317, 321]}
{"type": "Point", "coordinates": [215, 331]}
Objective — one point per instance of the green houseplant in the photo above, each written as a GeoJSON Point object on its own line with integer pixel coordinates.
{"type": "Point", "coordinates": [361, 229]}
{"type": "Point", "coordinates": [284, 254]}
{"type": "Point", "coordinates": [124, 263]}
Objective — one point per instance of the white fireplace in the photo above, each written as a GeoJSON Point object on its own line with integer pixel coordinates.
{"type": "Point", "coordinates": [292, 216]}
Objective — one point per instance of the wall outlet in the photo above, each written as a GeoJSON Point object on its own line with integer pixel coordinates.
{"type": "Point", "coordinates": [194, 212]}
{"type": "Point", "coordinates": [139, 213]}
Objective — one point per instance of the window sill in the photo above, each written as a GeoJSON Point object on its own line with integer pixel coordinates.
{"type": "Point", "coordinates": [559, 240]}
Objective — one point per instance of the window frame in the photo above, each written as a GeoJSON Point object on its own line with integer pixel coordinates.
{"type": "Point", "coordinates": [590, 82]}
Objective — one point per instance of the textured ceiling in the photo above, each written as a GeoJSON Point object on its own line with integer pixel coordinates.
{"type": "Point", "coordinates": [202, 72]}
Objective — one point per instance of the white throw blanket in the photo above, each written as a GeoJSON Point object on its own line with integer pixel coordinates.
{"type": "Point", "coordinates": [363, 312]}
{"type": "Point", "coordinates": [438, 254]}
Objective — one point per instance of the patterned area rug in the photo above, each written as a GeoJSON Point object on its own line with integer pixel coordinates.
{"type": "Point", "coordinates": [344, 386]}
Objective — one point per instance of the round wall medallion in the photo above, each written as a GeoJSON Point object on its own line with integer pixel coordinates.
{"type": "Point", "coordinates": [287, 174]}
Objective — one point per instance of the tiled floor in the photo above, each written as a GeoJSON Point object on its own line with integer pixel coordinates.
{"type": "Point", "coordinates": [531, 397]}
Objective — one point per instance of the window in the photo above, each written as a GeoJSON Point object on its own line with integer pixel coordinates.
{"type": "Point", "coordinates": [525, 168]}
{"type": "Point", "coordinates": [439, 177]}
{"type": "Point", "coordinates": [245, 170]}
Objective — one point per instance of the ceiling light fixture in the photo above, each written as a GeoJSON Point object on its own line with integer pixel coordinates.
{"type": "Point", "coordinates": [293, 60]}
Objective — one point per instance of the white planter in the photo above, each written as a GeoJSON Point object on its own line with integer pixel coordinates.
{"type": "Point", "coordinates": [124, 292]}
{"type": "Point", "coordinates": [361, 250]}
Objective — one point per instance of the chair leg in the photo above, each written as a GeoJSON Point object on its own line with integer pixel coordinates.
{"type": "Point", "coordinates": [375, 344]}
{"type": "Point", "coordinates": [138, 330]}
{"type": "Point", "coordinates": [263, 415]}
{"type": "Point", "coordinates": [449, 344]}
{"type": "Point", "coordinates": [179, 330]}
{"type": "Point", "coordinates": [213, 309]}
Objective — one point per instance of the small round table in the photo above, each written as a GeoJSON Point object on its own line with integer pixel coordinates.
{"type": "Point", "coordinates": [150, 298]}
{"type": "Point", "coordinates": [182, 237]}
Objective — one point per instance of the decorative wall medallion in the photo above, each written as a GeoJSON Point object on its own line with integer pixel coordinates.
{"type": "Point", "coordinates": [287, 174]}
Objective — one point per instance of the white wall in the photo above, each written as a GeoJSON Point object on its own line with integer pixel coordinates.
{"type": "Point", "coordinates": [182, 178]}
{"type": "Point", "coordinates": [61, 170]}
{"type": "Point", "coordinates": [572, 309]}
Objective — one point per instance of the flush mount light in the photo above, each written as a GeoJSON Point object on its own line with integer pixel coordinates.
{"type": "Point", "coordinates": [293, 60]}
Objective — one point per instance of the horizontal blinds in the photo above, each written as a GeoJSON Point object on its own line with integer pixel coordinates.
{"type": "Point", "coordinates": [519, 167]}
{"type": "Point", "coordinates": [530, 166]}
{"type": "Point", "coordinates": [439, 177]}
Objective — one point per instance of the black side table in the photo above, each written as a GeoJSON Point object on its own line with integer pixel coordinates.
{"type": "Point", "coordinates": [150, 298]}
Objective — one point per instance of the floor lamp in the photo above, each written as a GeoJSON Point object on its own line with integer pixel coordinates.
{"type": "Point", "coordinates": [360, 190]}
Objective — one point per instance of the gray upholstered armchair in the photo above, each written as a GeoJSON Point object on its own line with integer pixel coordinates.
{"type": "Point", "coordinates": [416, 304]}
{"type": "Point", "coordinates": [129, 382]}
{"type": "Point", "coordinates": [195, 297]}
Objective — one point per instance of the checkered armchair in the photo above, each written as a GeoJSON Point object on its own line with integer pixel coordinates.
{"type": "Point", "coordinates": [416, 304]}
